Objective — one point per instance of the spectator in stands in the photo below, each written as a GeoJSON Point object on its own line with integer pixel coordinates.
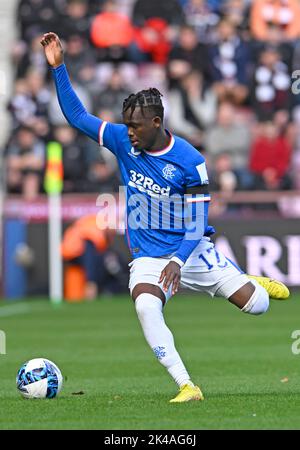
{"type": "Point", "coordinates": [103, 172]}
{"type": "Point", "coordinates": [79, 55]}
{"type": "Point", "coordinates": [275, 39]}
{"type": "Point", "coordinates": [30, 100]}
{"type": "Point", "coordinates": [285, 126]}
{"type": "Point", "coordinates": [194, 44]}
{"type": "Point", "coordinates": [86, 169]}
{"type": "Point", "coordinates": [151, 42]}
{"type": "Point", "coordinates": [94, 6]}
{"type": "Point", "coordinates": [230, 61]}
{"type": "Point", "coordinates": [88, 79]}
{"type": "Point", "coordinates": [38, 91]}
{"type": "Point", "coordinates": [30, 58]}
{"type": "Point", "coordinates": [112, 95]}
{"type": "Point", "coordinates": [35, 16]}
{"type": "Point", "coordinates": [20, 105]}
{"type": "Point", "coordinates": [295, 161]}
{"type": "Point", "coordinates": [40, 96]}
{"type": "Point", "coordinates": [55, 115]}
{"type": "Point", "coordinates": [270, 90]}
{"type": "Point", "coordinates": [237, 12]}
{"type": "Point", "coordinates": [192, 107]}
{"type": "Point", "coordinates": [88, 245]}
{"type": "Point", "coordinates": [215, 5]}
{"type": "Point", "coordinates": [74, 158]}
{"type": "Point", "coordinates": [283, 13]}
{"type": "Point", "coordinates": [230, 137]}
{"type": "Point", "coordinates": [270, 157]}
{"type": "Point", "coordinates": [222, 175]}
{"type": "Point", "coordinates": [188, 54]}
{"type": "Point", "coordinates": [202, 17]}
{"type": "Point", "coordinates": [111, 33]}
{"type": "Point", "coordinates": [25, 162]}
{"type": "Point", "coordinates": [168, 10]}
{"type": "Point", "coordinates": [76, 20]}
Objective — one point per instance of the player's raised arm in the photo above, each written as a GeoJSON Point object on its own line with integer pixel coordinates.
{"type": "Point", "coordinates": [71, 106]}
{"type": "Point", "coordinates": [53, 49]}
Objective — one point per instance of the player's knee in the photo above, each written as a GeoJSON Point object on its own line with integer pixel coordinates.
{"type": "Point", "coordinates": [258, 303]}
{"type": "Point", "coordinates": [262, 304]}
{"type": "Point", "coordinates": [146, 304]}
{"type": "Point", "coordinates": [141, 307]}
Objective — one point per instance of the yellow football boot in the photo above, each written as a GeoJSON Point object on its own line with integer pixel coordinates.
{"type": "Point", "coordinates": [188, 393]}
{"type": "Point", "coordinates": [275, 289]}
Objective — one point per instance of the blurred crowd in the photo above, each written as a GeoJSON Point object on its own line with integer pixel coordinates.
{"type": "Point", "coordinates": [224, 67]}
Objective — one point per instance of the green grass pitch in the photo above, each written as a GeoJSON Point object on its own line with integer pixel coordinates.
{"type": "Point", "coordinates": [244, 365]}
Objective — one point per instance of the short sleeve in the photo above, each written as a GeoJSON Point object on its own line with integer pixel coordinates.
{"type": "Point", "coordinates": [195, 172]}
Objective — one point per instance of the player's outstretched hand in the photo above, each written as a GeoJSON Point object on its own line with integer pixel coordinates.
{"type": "Point", "coordinates": [53, 49]}
{"type": "Point", "coordinates": [171, 274]}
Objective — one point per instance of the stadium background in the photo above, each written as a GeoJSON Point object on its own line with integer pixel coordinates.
{"type": "Point", "coordinates": [225, 69]}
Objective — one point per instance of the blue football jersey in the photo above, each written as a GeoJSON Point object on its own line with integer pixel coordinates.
{"type": "Point", "coordinates": [160, 219]}
{"type": "Point", "coordinates": [155, 184]}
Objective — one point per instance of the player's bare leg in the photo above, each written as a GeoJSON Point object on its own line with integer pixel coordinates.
{"type": "Point", "coordinates": [149, 300]}
{"type": "Point", "coordinates": [251, 298]}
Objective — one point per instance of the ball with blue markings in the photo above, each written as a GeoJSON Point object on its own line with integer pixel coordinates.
{"type": "Point", "coordinates": [39, 378]}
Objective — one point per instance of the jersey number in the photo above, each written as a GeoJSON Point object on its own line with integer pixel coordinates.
{"type": "Point", "coordinates": [210, 263]}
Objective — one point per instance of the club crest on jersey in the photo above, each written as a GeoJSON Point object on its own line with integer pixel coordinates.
{"type": "Point", "coordinates": [134, 152]}
{"type": "Point", "coordinates": [168, 171]}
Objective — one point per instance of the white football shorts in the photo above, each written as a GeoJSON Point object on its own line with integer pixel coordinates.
{"type": "Point", "coordinates": [206, 270]}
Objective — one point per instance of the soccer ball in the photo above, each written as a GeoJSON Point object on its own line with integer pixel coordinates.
{"type": "Point", "coordinates": [39, 378]}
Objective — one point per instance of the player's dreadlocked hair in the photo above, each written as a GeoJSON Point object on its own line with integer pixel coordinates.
{"type": "Point", "coordinates": [147, 98]}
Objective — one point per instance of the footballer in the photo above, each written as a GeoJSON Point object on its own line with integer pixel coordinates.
{"type": "Point", "coordinates": [161, 168]}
